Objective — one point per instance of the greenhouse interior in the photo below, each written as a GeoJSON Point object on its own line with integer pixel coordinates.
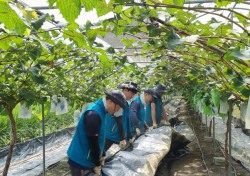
{"type": "Point", "coordinates": [125, 87]}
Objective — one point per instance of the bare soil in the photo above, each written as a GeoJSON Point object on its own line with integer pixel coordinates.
{"type": "Point", "coordinates": [198, 162]}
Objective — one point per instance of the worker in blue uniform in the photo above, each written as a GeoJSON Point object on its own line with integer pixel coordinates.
{"type": "Point", "coordinates": [137, 111]}
{"type": "Point", "coordinates": [155, 112]}
{"type": "Point", "coordinates": [118, 126]}
{"type": "Point", "coordinates": [86, 148]}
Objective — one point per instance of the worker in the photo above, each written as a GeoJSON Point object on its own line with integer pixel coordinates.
{"type": "Point", "coordinates": [87, 145]}
{"type": "Point", "coordinates": [117, 126]}
{"type": "Point", "coordinates": [155, 112]}
{"type": "Point", "coordinates": [137, 111]}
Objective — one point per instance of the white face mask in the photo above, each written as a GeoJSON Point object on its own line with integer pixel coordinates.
{"type": "Point", "coordinates": [143, 100]}
{"type": "Point", "coordinates": [118, 113]}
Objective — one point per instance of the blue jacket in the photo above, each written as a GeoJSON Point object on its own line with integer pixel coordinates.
{"type": "Point", "coordinates": [158, 105]}
{"type": "Point", "coordinates": [140, 116]}
{"type": "Point", "coordinates": [79, 149]}
{"type": "Point", "coordinates": [111, 131]}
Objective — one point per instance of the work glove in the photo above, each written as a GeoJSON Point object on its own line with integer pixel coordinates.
{"type": "Point", "coordinates": [97, 170]}
{"type": "Point", "coordinates": [122, 144]}
{"type": "Point", "coordinates": [165, 123]}
{"type": "Point", "coordinates": [138, 131]}
{"type": "Point", "coordinates": [154, 125]}
{"type": "Point", "coordinates": [131, 141]}
{"type": "Point", "coordinates": [102, 160]}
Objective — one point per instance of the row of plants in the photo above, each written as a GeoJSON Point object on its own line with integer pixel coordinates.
{"type": "Point", "coordinates": [28, 128]}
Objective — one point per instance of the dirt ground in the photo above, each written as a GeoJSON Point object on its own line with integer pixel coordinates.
{"type": "Point", "coordinates": [191, 164]}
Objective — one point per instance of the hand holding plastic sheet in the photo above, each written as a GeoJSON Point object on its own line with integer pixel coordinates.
{"type": "Point", "coordinates": [138, 131]}
{"type": "Point", "coordinates": [102, 160]}
{"type": "Point", "coordinates": [165, 123]}
{"type": "Point", "coordinates": [154, 125]}
{"type": "Point", "coordinates": [122, 144]}
{"type": "Point", "coordinates": [97, 170]}
{"type": "Point", "coordinates": [131, 141]}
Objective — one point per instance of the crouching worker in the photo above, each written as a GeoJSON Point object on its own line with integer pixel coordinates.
{"type": "Point", "coordinates": [87, 145]}
{"type": "Point", "coordinates": [117, 126]}
{"type": "Point", "coordinates": [137, 111]}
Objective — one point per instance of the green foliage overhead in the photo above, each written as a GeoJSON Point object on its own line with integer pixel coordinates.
{"type": "Point", "coordinates": [10, 19]}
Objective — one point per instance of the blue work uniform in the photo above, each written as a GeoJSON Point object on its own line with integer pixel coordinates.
{"type": "Point", "coordinates": [111, 131]}
{"type": "Point", "coordinates": [140, 115]}
{"type": "Point", "coordinates": [79, 149]}
{"type": "Point", "coordinates": [158, 106]}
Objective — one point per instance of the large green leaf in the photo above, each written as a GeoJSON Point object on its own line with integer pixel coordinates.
{"type": "Point", "coordinates": [38, 24]}
{"type": "Point", "coordinates": [10, 19]}
{"type": "Point", "coordinates": [215, 97]}
{"type": "Point", "coordinates": [222, 3]}
{"type": "Point", "coordinates": [89, 5]}
{"type": "Point", "coordinates": [238, 81]}
{"type": "Point", "coordinates": [207, 110]}
{"type": "Point", "coordinates": [70, 9]}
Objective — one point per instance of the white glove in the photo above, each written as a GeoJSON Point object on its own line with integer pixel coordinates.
{"type": "Point", "coordinates": [131, 141]}
{"type": "Point", "coordinates": [154, 125]}
{"type": "Point", "coordinates": [138, 131]}
{"type": "Point", "coordinates": [102, 160]}
{"type": "Point", "coordinates": [122, 144]}
{"type": "Point", "coordinates": [97, 170]}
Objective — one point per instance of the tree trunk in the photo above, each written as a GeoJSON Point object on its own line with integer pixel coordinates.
{"type": "Point", "coordinates": [12, 142]}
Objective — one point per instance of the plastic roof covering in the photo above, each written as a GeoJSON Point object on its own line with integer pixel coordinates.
{"type": "Point", "coordinates": [110, 39]}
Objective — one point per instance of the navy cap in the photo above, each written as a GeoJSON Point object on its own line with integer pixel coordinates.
{"type": "Point", "coordinates": [117, 97]}
{"type": "Point", "coordinates": [151, 92]}
{"type": "Point", "coordinates": [130, 85]}
{"type": "Point", "coordinates": [160, 88]}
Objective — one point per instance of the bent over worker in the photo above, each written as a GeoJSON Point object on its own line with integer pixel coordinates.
{"type": "Point", "coordinates": [155, 112]}
{"type": "Point", "coordinates": [87, 144]}
{"type": "Point", "coordinates": [117, 126]}
{"type": "Point", "coordinates": [137, 111]}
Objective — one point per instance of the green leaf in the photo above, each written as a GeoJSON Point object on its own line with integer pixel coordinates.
{"type": "Point", "coordinates": [89, 5]}
{"type": "Point", "coordinates": [215, 94]}
{"type": "Point", "coordinates": [10, 19]}
{"type": "Point", "coordinates": [34, 71]}
{"type": "Point", "coordinates": [168, 1]}
{"type": "Point", "coordinates": [207, 110]}
{"type": "Point", "coordinates": [38, 79]}
{"type": "Point", "coordinates": [241, 19]}
{"type": "Point", "coordinates": [124, 1]}
{"type": "Point", "coordinates": [47, 46]}
{"type": "Point", "coordinates": [70, 9]}
{"type": "Point", "coordinates": [222, 3]}
{"type": "Point", "coordinates": [238, 81]}
{"type": "Point", "coordinates": [229, 71]}
{"type": "Point", "coordinates": [26, 94]}
{"type": "Point", "coordinates": [111, 50]}
{"type": "Point", "coordinates": [38, 24]}
{"type": "Point", "coordinates": [245, 92]}
{"type": "Point", "coordinates": [153, 30]}
{"type": "Point", "coordinates": [179, 2]}
{"type": "Point", "coordinates": [78, 38]}
{"type": "Point", "coordinates": [51, 3]}
{"type": "Point", "coordinates": [213, 41]}
{"type": "Point", "coordinates": [105, 62]}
